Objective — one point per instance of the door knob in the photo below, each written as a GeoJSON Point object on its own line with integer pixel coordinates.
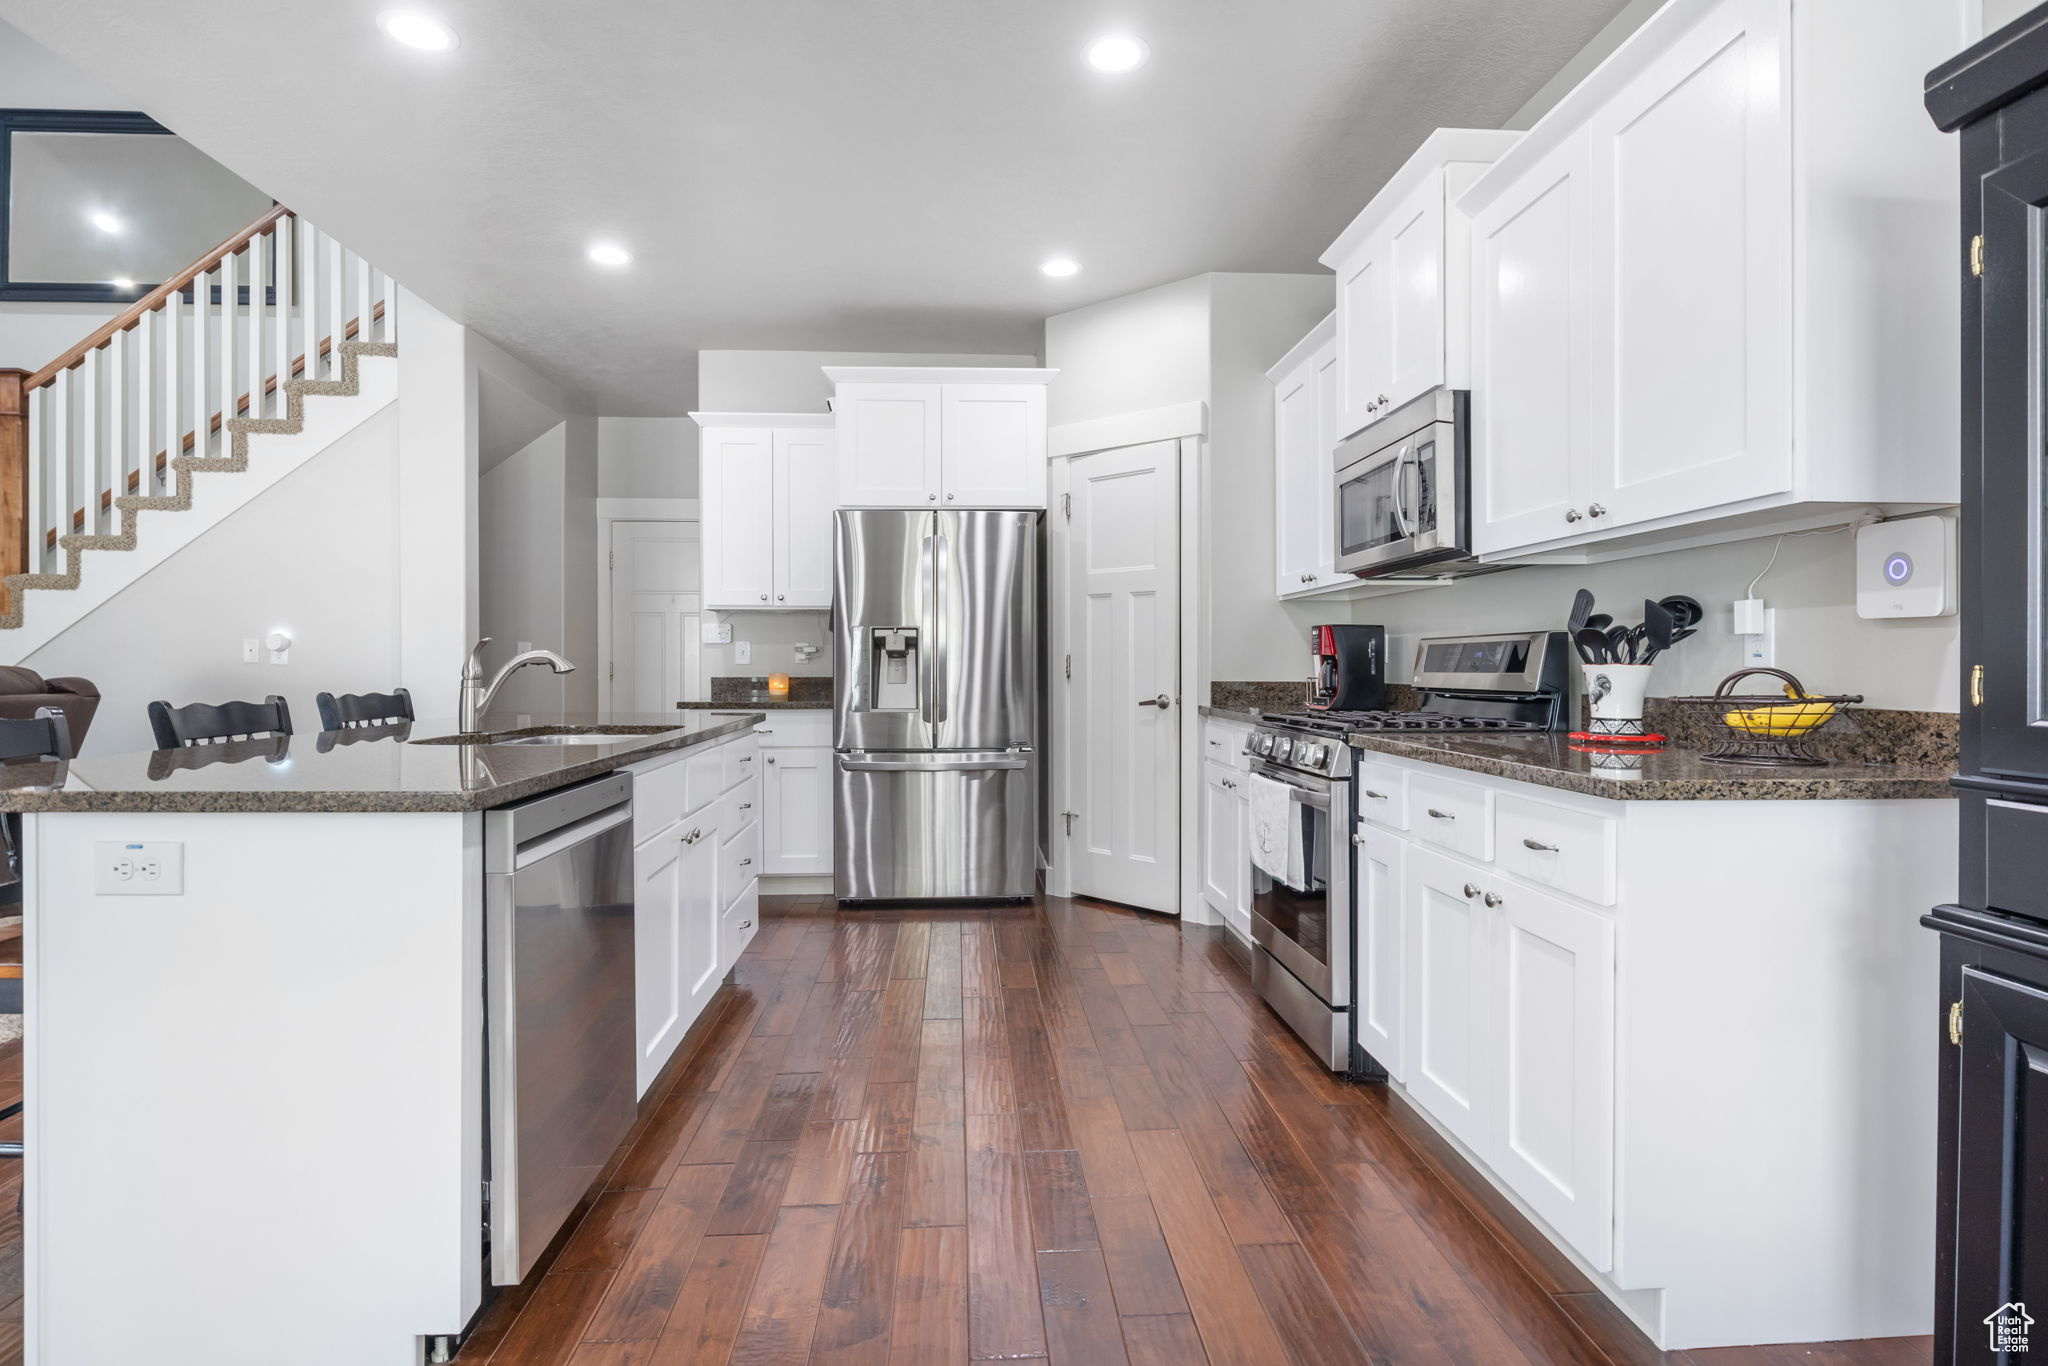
{"type": "Point", "coordinates": [1491, 899]}
{"type": "Point", "coordinates": [1595, 510]}
{"type": "Point", "coordinates": [1470, 891]}
{"type": "Point", "coordinates": [1162, 701]}
{"type": "Point", "coordinates": [1572, 515]}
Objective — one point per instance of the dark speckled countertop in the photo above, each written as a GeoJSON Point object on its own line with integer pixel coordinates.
{"type": "Point", "coordinates": [760, 702]}
{"type": "Point", "coordinates": [384, 769]}
{"type": "Point", "coordinates": [1673, 775]}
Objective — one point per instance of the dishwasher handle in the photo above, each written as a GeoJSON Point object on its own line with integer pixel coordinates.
{"type": "Point", "coordinates": [548, 845]}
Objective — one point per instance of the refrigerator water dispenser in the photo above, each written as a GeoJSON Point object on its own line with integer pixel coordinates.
{"type": "Point", "coordinates": [893, 669]}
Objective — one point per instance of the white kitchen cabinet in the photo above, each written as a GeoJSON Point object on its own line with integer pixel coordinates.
{"type": "Point", "coordinates": [1401, 292]}
{"type": "Point", "coordinates": [796, 793]}
{"type": "Point", "coordinates": [940, 437]}
{"type": "Point", "coordinates": [1304, 405]}
{"type": "Point", "coordinates": [661, 1000]}
{"type": "Point", "coordinates": [1225, 854]}
{"type": "Point", "coordinates": [1672, 337]}
{"type": "Point", "coordinates": [1451, 990]}
{"type": "Point", "coordinates": [1379, 876]}
{"type": "Point", "coordinates": [766, 500]}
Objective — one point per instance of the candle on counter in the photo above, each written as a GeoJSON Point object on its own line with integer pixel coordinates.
{"type": "Point", "coordinates": [778, 685]}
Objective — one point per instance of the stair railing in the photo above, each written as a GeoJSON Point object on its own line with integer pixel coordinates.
{"type": "Point", "coordinates": [218, 340]}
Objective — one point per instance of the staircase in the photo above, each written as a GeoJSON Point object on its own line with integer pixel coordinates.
{"type": "Point", "coordinates": [233, 347]}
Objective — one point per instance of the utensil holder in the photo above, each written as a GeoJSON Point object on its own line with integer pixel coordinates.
{"type": "Point", "coordinates": [1614, 696]}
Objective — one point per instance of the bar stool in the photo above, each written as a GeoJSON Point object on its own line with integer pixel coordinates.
{"type": "Point", "coordinates": [351, 711]}
{"type": "Point", "coordinates": [202, 723]}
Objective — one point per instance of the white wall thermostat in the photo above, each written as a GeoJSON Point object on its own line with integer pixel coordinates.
{"type": "Point", "coordinates": [1906, 568]}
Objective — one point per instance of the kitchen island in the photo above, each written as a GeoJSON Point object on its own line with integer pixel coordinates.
{"type": "Point", "coordinates": [265, 1027]}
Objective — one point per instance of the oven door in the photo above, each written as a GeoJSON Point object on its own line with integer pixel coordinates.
{"type": "Point", "coordinates": [1308, 932]}
{"type": "Point", "coordinates": [1397, 504]}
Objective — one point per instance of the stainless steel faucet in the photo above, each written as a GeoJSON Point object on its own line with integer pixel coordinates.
{"type": "Point", "coordinates": [476, 697]}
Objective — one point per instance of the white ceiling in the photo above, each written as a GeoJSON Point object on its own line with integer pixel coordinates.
{"type": "Point", "coordinates": [881, 175]}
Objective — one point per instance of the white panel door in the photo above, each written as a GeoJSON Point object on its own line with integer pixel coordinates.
{"type": "Point", "coordinates": [1531, 388]}
{"type": "Point", "coordinates": [806, 485]}
{"type": "Point", "coordinates": [889, 445]}
{"type": "Point", "coordinates": [1379, 874]}
{"type": "Point", "coordinates": [1556, 1147]}
{"type": "Point", "coordinates": [1223, 847]}
{"type": "Point", "coordinates": [701, 956]}
{"type": "Point", "coordinates": [1692, 229]}
{"type": "Point", "coordinates": [737, 486]}
{"type": "Point", "coordinates": [1451, 1047]}
{"type": "Point", "coordinates": [661, 1002]}
{"type": "Point", "coordinates": [1364, 337]}
{"type": "Point", "coordinates": [1301, 482]}
{"type": "Point", "coordinates": [993, 436]}
{"type": "Point", "coordinates": [655, 612]}
{"type": "Point", "coordinates": [1124, 625]}
{"type": "Point", "coordinates": [1415, 306]}
{"type": "Point", "coordinates": [796, 792]}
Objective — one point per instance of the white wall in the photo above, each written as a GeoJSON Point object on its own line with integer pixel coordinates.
{"type": "Point", "coordinates": [794, 381]}
{"type": "Point", "coordinates": [646, 457]}
{"type": "Point", "coordinates": [521, 588]}
{"type": "Point", "coordinates": [316, 554]}
{"type": "Point", "coordinates": [1125, 355]}
{"type": "Point", "coordinates": [1999, 13]}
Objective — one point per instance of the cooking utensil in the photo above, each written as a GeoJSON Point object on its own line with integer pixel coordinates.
{"type": "Point", "coordinates": [1617, 645]}
{"type": "Point", "coordinates": [1592, 646]}
{"type": "Point", "coordinates": [1684, 611]}
{"type": "Point", "coordinates": [1599, 621]}
{"type": "Point", "coordinates": [1582, 607]}
{"type": "Point", "coordinates": [1658, 623]}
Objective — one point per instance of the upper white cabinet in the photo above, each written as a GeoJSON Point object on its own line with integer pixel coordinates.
{"type": "Point", "coordinates": [1401, 291]}
{"type": "Point", "coordinates": [1673, 278]}
{"type": "Point", "coordinates": [929, 437]}
{"type": "Point", "coordinates": [1304, 418]}
{"type": "Point", "coordinates": [766, 488]}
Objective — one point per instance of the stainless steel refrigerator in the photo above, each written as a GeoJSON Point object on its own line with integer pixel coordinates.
{"type": "Point", "coordinates": [935, 619]}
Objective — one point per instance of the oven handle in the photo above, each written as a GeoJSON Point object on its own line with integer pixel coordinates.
{"type": "Point", "coordinates": [1401, 512]}
{"type": "Point", "coordinates": [1317, 797]}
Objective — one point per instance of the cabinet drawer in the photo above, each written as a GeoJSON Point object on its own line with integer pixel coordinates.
{"type": "Point", "coordinates": [796, 730]}
{"type": "Point", "coordinates": [742, 805]}
{"type": "Point", "coordinates": [1573, 851]}
{"type": "Point", "coordinates": [1451, 815]}
{"type": "Point", "coordinates": [739, 923]}
{"type": "Point", "coordinates": [1382, 793]}
{"type": "Point", "coordinates": [661, 796]}
{"type": "Point", "coordinates": [2016, 876]}
{"type": "Point", "coordinates": [1223, 743]}
{"type": "Point", "coordinates": [742, 760]}
{"type": "Point", "coordinates": [739, 861]}
{"type": "Point", "coordinates": [706, 780]}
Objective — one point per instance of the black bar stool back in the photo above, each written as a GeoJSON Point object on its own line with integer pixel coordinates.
{"type": "Point", "coordinates": [352, 710]}
{"type": "Point", "coordinates": [202, 723]}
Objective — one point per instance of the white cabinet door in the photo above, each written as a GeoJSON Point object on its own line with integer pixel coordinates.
{"type": "Point", "coordinates": [1243, 909]}
{"type": "Point", "coordinates": [702, 965]}
{"type": "Point", "coordinates": [661, 999]}
{"type": "Point", "coordinates": [1451, 1046]}
{"type": "Point", "coordinates": [1378, 873]}
{"type": "Point", "coordinates": [1556, 1132]}
{"type": "Point", "coordinates": [796, 794]}
{"type": "Point", "coordinates": [889, 444]}
{"type": "Point", "coordinates": [1531, 386]}
{"type": "Point", "coordinates": [805, 485]}
{"type": "Point", "coordinates": [1222, 840]}
{"type": "Point", "coordinates": [1300, 481]}
{"type": "Point", "coordinates": [1692, 233]}
{"type": "Point", "coordinates": [993, 436]}
{"type": "Point", "coordinates": [1414, 256]}
{"type": "Point", "coordinates": [738, 480]}
{"type": "Point", "coordinates": [1365, 362]}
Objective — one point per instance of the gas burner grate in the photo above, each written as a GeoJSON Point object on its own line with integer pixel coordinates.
{"type": "Point", "coordinates": [1335, 722]}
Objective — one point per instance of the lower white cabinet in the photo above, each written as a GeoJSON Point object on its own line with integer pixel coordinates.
{"type": "Point", "coordinates": [1448, 990]}
{"type": "Point", "coordinates": [1225, 853]}
{"type": "Point", "coordinates": [796, 790]}
{"type": "Point", "coordinates": [1379, 872]}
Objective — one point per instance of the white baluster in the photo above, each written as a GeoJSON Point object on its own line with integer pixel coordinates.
{"type": "Point", "coordinates": [174, 430]}
{"type": "Point", "coordinates": [390, 308]}
{"type": "Point", "coordinates": [332, 278]}
{"type": "Point", "coordinates": [229, 372]}
{"type": "Point", "coordinates": [144, 445]}
{"type": "Point", "coordinates": [259, 283]}
{"type": "Point", "coordinates": [309, 300]}
{"type": "Point", "coordinates": [116, 458]}
{"type": "Point", "coordinates": [79, 516]}
{"type": "Point", "coordinates": [202, 343]}
{"type": "Point", "coordinates": [38, 477]}
{"type": "Point", "coordinates": [364, 322]}
{"type": "Point", "coordinates": [281, 315]}
{"type": "Point", "coordinates": [60, 438]}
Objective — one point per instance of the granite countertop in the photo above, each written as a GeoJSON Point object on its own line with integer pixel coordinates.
{"type": "Point", "coordinates": [379, 769]}
{"type": "Point", "coordinates": [760, 702]}
{"type": "Point", "coordinates": [1674, 775]}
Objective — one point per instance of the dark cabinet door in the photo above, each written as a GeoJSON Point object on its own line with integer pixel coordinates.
{"type": "Point", "coordinates": [2001, 1253]}
{"type": "Point", "coordinates": [2005, 658]}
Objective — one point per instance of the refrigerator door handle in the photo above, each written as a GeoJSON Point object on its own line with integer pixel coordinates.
{"type": "Point", "coordinates": [926, 620]}
{"type": "Point", "coordinates": [937, 646]}
{"type": "Point", "coordinates": [930, 766]}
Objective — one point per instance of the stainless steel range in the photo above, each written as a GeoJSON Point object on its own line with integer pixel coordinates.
{"type": "Point", "coordinates": [1303, 816]}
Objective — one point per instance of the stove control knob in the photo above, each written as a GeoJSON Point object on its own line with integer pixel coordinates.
{"type": "Point", "coordinates": [1282, 747]}
{"type": "Point", "coordinates": [1309, 755]}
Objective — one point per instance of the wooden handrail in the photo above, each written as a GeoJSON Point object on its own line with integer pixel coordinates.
{"type": "Point", "coordinates": [13, 476]}
{"type": "Point", "coordinates": [150, 301]}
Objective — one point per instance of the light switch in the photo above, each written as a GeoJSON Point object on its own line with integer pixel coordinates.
{"type": "Point", "coordinates": [138, 868]}
{"type": "Point", "coordinates": [743, 652]}
{"type": "Point", "coordinates": [249, 655]}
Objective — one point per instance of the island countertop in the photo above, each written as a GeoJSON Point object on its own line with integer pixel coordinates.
{"type": "Point", "coordinates": [389, 768]}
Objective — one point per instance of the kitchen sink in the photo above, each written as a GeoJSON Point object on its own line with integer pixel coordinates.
{"type": "Point", "coordinates": [550, 735]}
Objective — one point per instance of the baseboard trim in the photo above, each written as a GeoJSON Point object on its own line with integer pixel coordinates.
{"type": "Point", "coordinates": [796, 885]}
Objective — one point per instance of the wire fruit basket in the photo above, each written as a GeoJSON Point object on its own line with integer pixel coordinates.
{"type": "Point", "coordinates": [1768, 729]}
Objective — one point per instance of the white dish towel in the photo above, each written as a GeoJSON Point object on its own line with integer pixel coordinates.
{"type": "Point", "coordinates": [1276, 831]}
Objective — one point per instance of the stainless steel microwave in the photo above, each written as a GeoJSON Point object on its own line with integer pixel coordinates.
{"type": "Point", "coordinates": [1403, 501]}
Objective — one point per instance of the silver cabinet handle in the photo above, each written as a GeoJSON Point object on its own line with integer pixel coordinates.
{"type": "Point", "coordinates": [1572, 515]}
{"type": "Point", "coordinates": [771, 758]}
{"type": "Point", "coordinates": [1384, 400]}
{"type": "Point", "coordinates": [1162, 701]}
{"type": "Point", "coordinates": [1470, 891]}
{"type": "Point", "coordinates": [1596, 510]}
{"type": "Point", "coordinates": [746, 806]}
{"type": "Point", "coordinates": [1491, 900]}
{"type": "Point", "coordinates": [1215, 744]}
{"type": "Point", "coordinates": [932, 498]}
{"type": "Point", "coordinates": [779, 597]}
{"type": "Point", "coordinates": [746, 924]}
{"type": "Point", "coordinates": [763, 730]}
{"type": "Point", "coordinates": [1358, 839]}
{"type": "Point", "coordinates": [1539, 846]}
{"type": "Point", "coordinates": [1376, 796]}
{"type": "Point", "coordinates": [949, 497]}
{"type": "Point", "coordinates": [764, 597]}
{"type": "Point", "coordinates": [748, 759]}
{"type": "Point", "coordinates": [1442, 815]}
{"type": "Point", "coordinates": [745, 862]}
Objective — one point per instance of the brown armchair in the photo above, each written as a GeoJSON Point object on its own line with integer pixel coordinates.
{"type": "Point", "coordinates": [24, 690]}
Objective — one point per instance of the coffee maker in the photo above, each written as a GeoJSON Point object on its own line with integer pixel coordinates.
{"type": "Point", "coordinates": [1350, 672]}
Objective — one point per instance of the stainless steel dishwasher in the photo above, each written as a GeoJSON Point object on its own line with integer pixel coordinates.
{"type": "Point", "coordinates": [558, 997]}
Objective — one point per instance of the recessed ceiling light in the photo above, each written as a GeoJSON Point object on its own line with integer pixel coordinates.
{"type": "Point", "coordinates": [1060, 266]}
{"type": "Point", "coordinates": [104, 221]}
{"type": "Point", "coordinates": [121, 282]}
{"type": "Point", "coordinates": [416, 30]}
{"type": "Point", "coordinates": [610, 254]}
{"type": "Point", "coordinates": [1115, 52]}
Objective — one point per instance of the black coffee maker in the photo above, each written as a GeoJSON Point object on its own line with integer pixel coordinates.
{"type": "Point", "coordinates": [1350, 672]}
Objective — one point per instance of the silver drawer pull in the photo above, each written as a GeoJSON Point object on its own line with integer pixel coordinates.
{"type": "Point", "coordinates": [1539, 846]}
{"type": "Point", "coordinates": [746, 758]}
{"type": "Point", "coordinates": [1441, 815]}
{"type": "Point", "coordinates": [1492, 900]}
{"type": "Point", "coordinates": [763, 730]}
{"type": "Point", "coordinates": [1470, 891]}
{"type": "Point", "coordinates": [746, 924]}
{"type": "Point", "coordinates": [746, 806]}
{"type": "Point", "coordinates": [1376, 796]}
{"type": "Point", "coordinates": [771, 758]}
{"type": "Point", "coordinates": [746, 862]}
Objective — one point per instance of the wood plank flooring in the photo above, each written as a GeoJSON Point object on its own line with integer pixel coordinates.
{"type": "Point", "coordinates": [1062, 1132]}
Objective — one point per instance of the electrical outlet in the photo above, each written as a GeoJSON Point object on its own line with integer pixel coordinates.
{"type": "Point", "coordinates": [249, 654]}
{"type": "Point", "coordinates": [124, 868]}
{"type": "Point", "coordinates": [743, 652]}
{"type": "Point", "coordinates": [1760, 648]}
